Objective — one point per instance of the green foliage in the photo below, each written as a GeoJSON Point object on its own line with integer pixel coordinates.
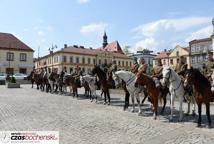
{"type": "Point", "coordinates": [13, 80]}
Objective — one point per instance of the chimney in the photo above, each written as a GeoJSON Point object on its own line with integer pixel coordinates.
{"type": "Point", "coordinates": [82, 47]}
{"type": "Point", "coordinates": [76, 46]}
{"type": "Point", "coordinates": [65, 45]}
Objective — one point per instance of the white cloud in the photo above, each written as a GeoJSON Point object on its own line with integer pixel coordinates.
{"type": "Point", "coordinates": [201, 33]}
{"type": "Point", "coordinates": [164, 33]}
{"type": "Point", "coordinates": [148, 43]}
{"type": "Point", "coordinates": [83, 1]}
{"type": "Point", "coordinates": [40, 33]}
{"type": "Point", "coordinates": [93, 28]}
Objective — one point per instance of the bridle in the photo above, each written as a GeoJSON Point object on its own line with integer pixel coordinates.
{"type": "Point", "coordinates": [170, 73]}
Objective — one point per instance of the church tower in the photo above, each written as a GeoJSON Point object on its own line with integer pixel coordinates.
{"type": "Point", "coordinates": [105, 40]}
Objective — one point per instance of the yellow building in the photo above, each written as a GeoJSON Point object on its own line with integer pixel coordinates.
{"type": "Point", "coordinates": [15, 56]}
{"type": "Point", "coordinates": [70, 57]}
{"type": "Point", "coordinates": [176, 53]}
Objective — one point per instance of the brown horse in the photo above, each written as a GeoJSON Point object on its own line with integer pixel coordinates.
{"type": "Point", "coordinates": [103, 82]}
{"type": "Point", "coordinates": [153, 91]}
{"type": "Point", "coordinates": [73, 83]}
{"type": "Point", "coordinates": [202, 91]}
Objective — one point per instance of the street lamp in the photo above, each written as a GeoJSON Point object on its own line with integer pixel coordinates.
{"type": "Point", "coordinates": [51, 52]}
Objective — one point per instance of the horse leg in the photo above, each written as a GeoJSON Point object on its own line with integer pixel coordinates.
{"type": "Point", "coordinates": [199, 114]}
{"type": "Point", "coordinates": [155, 107]}
{"type": "Point", "coordinates": [164, 103]}
{"type": "Point", "coordinates": [105, 95]}
{"type": "Point", "coordinates": [193, 106]}
{"type": "Point", "coordinates": [172, 106]}
{"type": "Point", "coordinates": [181, 107]}
{"type": "Point", "coordinates": [133, 104]}
{"type": "Point", "coordinates": [126, 100]}
{"type": "Point", "coordinates": [109, 99]}
{"type": "Point", "coordinates": [208, 113]}
{"type": "Point", "coordinates": [145, 96]}
{"type": "Point", "coordinates": [139, 105]}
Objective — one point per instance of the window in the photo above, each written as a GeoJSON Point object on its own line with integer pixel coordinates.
{"type": "Point", "coordinates": [171, 61]}
{"type": "Point", "coordinates": [130, 63]}
{"type": "Point", "coordinates": [23, 70]}
{"type": "Point", "coordinates": [64, 59]}
{"type": "Point", "coordinates": [127, 64]}
{"type": "Point", "coordinates": [123, 63]}
{"type": "Point", "coordinates": [105, 61]}
{"type": "Point", "coordinates": [71, 59]}
{"type": "Point", "coordinates": [89, 61]}
{"type": "Point", "coordinates": [94, 60]}
{"type": "Point", "coordinates": [99, 61]}
{"type": "Point", "coordinates": [10, 56]}
{"type": "Point", "coordinates": [177, 60]}
{"type": "Point", "coordinates": [9, 71]}
{"type": "Point", "coordinates": [55, 59]}
{"type": "Point", "coordinates": [193, 60]}
{"type": "Point", "coordinates": [23, 57]}
{"type": "Point", "coordinates": [119, 63]}
{"type": "Point", "coordinates": [83, 60]}
{"type": "Point", "coordinates": [77, 59]}
{"type": "Point", "coordinates": [177, 53]}
{"type": "Point", "coordinates": [164, 62]}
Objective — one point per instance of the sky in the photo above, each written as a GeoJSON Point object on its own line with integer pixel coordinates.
{"type": "Point", "coordinates": [140, 24]}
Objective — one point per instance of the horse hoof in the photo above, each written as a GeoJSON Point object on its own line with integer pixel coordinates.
{"type": "Point", "coordinates": [199, 125]}
{"type": "Point", "coordinates": [109, 103]}
{"type": "Point", "coordinates": [170, 120]}
{"type": "Point", "coordinates": [132, 110]}
{"type": "Point", "coordinates": [104, 103]}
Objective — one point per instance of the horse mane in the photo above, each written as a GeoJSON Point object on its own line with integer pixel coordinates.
{"type": "Point", "coordinates": [200, 78]}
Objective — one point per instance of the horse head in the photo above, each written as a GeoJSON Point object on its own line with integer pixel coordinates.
{"type": "Point", "coordinates": [167, 75]}
{"type": "Point", "coordinates": [116, 79]}
{"type": "Point", "coordinates": [189, 77]}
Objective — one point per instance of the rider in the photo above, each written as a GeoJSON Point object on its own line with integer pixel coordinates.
{"type": "Point", "coordinates": [113, 67]}
{"type": "Point", "coordinates": [143, 65]}
{"type": "Point", "coordinates": [135, 67]}
{"type": "Point", "coordinates": [209, 66]}
{"type": "Point", "coordinates": [157, 72]}
{"type": "Point", "coordinates": [181, 68]}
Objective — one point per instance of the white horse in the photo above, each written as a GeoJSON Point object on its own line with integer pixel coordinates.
{"type": "Point", "coordinates": [92, 84]}
{"type": "Point", "coordinates": [129, 79]}
{"type": "Point", "coordinates": [175, 87]}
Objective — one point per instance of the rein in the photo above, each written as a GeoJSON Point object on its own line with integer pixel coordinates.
{"type": "Point", "coordinates": [130, 80]}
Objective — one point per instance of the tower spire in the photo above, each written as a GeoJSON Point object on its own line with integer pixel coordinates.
{"type": "Point", "coordinates": [105, 39]}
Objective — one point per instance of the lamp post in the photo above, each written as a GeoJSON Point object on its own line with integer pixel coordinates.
{"type": "Point", "coordinates": [51, 52]}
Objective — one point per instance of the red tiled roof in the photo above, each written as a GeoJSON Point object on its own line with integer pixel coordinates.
{"type": "Point", "coordinates": [10, 41]}
{"type": "Point", "coordinates": [162, 55]}
{"type": "Point", "coordinates": [200, 40]}
{"type": "Point", "coordinates": [113, 47]}
{"type": "Point", "coordinates": [87, 51]}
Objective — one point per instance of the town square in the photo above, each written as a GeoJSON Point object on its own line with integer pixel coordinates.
{"type": "Point", "coordinates": [107, 72]}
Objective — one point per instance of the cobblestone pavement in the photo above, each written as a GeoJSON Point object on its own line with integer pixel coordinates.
{"type": "Point", "coordinates": [82, 122]}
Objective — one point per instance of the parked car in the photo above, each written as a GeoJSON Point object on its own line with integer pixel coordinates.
{"type": "Point", "coordinates": [3, 76]}
{"type": "Point", "coordinates": [20, 76]}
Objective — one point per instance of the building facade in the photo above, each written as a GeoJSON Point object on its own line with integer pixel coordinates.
{"type": "Point", "coordinates": [176, 53]}
{"type": "Point", "coordinates": [15, 56]}
{"type": "Point", "coordinates": [199, 50]}
{"type": "Point", "coordinates": [163, 56]}
{"type": "Point", "coordinates": [77, 56]}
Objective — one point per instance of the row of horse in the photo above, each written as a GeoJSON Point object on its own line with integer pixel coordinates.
{"type": "Point", "coordinates": [171, 84]}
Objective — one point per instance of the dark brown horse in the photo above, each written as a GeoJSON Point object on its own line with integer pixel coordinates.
{"type": "Point", "coordinates": [202, 91]}
{"type": "Point", "coordinates": [103, 82]}
{"type": "Point", "coordinates": [73, 83]}
{"type": "Point", "coordinates": [150, 85]}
